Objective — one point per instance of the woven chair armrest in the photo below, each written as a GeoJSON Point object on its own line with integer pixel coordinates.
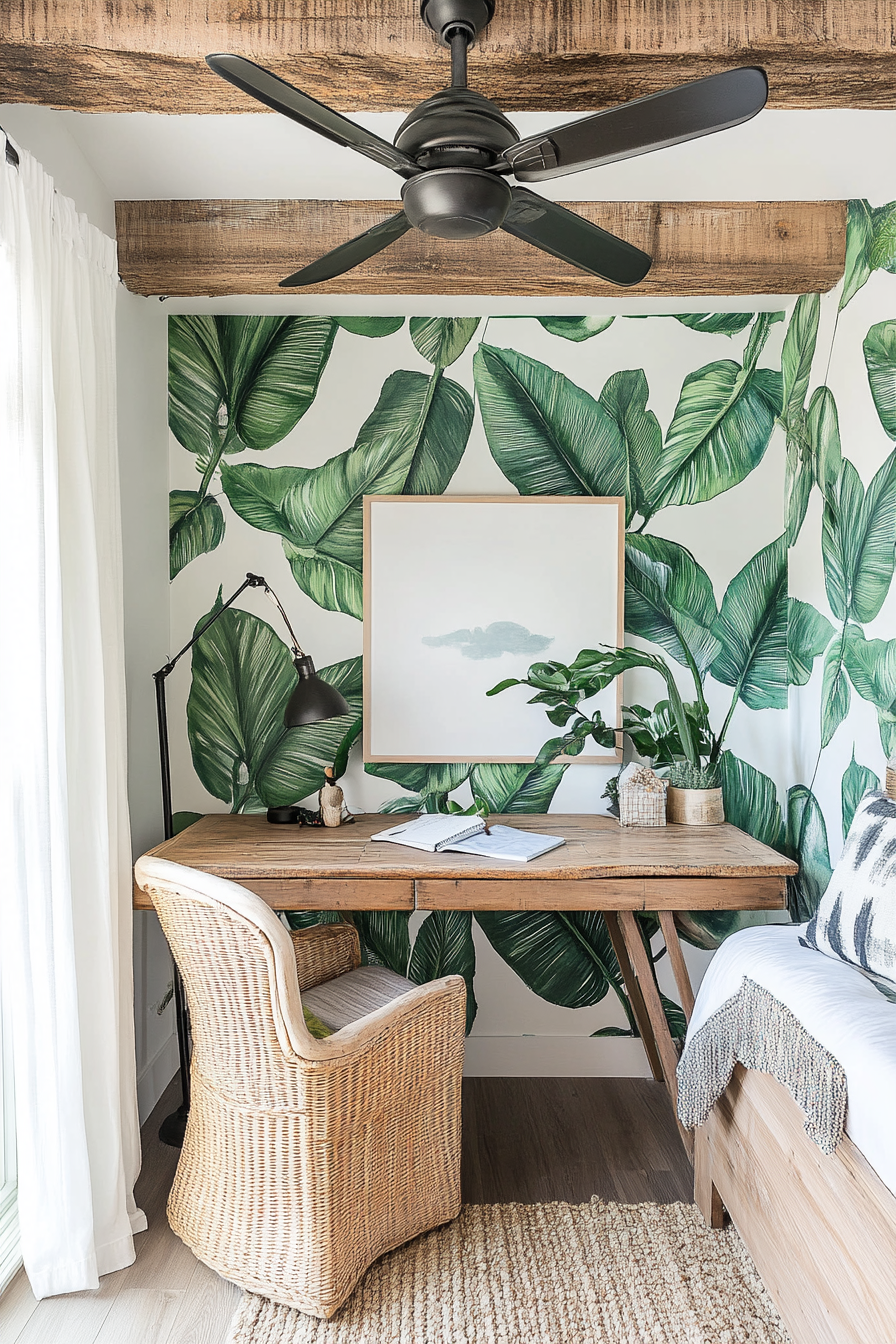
{"type": "Point", "coordinates": [325, 951]}
{"type": "Point", "coordinates": [439, 1005]}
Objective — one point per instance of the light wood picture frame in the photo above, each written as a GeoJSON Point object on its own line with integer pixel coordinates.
{"type": "Point", "coordinates": [464, 591]}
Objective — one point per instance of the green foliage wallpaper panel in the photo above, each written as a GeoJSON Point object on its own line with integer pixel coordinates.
{"type": "Point", "coordinates": [746, 446]}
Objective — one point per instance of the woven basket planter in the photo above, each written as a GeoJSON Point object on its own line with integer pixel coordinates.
{"type": "Point", "coordinates": [694, 807]}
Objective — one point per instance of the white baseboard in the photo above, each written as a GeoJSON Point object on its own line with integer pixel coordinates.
{"type": "Point", "coordinates": [156, 1075]}
{"type": "Point", "coordinates": [554, 1057]}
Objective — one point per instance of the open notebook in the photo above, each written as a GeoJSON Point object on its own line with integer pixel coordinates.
{"type": "Point", "coordinates": [467, 835]}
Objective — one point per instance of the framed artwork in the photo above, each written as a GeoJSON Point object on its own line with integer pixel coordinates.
{"type": "Point", "coordinates": [461, 592]}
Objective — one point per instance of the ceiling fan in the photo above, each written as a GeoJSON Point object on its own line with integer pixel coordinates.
{"type": "Point", "coordinates": [456, 151]}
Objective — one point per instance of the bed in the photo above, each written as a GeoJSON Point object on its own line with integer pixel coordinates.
{"type": "Point", "coordinates": [820, 1225]}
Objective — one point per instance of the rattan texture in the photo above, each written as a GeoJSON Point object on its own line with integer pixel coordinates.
{"type": "Point", "coordinates": [304, 1160]}
{"type": "Point", "coordinates": [642, 799]}
{"type": "Point", "coordinates": [325, 951]}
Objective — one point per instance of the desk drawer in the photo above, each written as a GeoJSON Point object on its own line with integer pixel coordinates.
{"type": "Point", "coordinates": [602, 893]}
{"type": "Point", "coordinates": [320, 893]}
{"type": "Point", "coordinates": [334, 893]}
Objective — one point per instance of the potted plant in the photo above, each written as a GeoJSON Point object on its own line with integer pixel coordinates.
{"type": "Point", "coordinates": [675, 734]}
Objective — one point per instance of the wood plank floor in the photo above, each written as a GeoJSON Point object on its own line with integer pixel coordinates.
{"type": "Point", "coordinates": [525, 1139]}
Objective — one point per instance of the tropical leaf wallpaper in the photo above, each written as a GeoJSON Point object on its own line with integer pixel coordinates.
{"type": "Point", "coordinates": [755, 452]}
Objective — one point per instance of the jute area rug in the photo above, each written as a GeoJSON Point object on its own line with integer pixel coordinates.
{"type": "Point", "coordinates": [546, 1274]}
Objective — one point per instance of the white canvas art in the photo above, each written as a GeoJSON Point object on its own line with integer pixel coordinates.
{"type": "Point", "coordinates": [461, 593]}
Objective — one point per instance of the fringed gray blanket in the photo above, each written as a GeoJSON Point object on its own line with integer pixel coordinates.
{"type": "Point", "coordinates": [752, 1028]}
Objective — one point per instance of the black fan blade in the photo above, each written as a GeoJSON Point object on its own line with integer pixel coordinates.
{"type": "Point", "coordinates": [350, 254]}
{"type": "Point", "coordinates": [282, 97]}
{"type": "Point", "coordinates": [661, 119]}
{"type": "Point", "coordinates": [566, 235]}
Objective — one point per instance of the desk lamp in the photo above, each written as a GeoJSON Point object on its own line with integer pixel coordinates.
{"type": "Point", "coordinates": [311, 701]}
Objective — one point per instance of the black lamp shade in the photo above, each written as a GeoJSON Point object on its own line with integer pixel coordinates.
{"type": "Point", "coordinates": [312, 699]}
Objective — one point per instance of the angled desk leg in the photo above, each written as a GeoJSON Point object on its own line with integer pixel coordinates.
{"type": "Point", "coordinates": [665, 1044]}
{"type": "Point", "coordinates": [633, 990]}
{"type": "Point", "coordinates": [676, 957]}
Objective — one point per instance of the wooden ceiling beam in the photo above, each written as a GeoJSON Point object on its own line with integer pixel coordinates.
{"type": "Point", "coordinates": [246, 247]}
{"type": "Point", "coordinates": [117, 56]}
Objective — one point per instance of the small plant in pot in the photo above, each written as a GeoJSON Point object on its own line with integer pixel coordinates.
{"type": "Point", "coordinates": [675, 735]}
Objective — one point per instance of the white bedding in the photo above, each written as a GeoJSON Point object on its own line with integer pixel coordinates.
{"type": "Point", "coordinates": [839, 1006]}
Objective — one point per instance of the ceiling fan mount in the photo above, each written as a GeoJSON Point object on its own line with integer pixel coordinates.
{"type": "Point", "coordinates": [456, 151]}
{"type": "Point", "coordinates": [446, 17]}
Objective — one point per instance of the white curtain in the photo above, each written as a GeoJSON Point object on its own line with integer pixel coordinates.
{"type": "Point", "coordinates": [65, 904]}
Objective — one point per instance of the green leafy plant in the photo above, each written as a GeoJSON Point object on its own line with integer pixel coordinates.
{"type": "Point", "coordinates": [743, 644]}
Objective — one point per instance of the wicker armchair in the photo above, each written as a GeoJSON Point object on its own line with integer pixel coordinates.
{"type": "Point", "coordinates": [304, 1160]}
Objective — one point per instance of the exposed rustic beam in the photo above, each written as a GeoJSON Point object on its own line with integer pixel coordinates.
{"type": "Point", "coordinates": [112, 56]}
{"type": "Point", "coordinates": [246, 247]}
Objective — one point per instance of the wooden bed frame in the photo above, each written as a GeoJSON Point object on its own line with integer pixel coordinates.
{"type": "Point", "coordinates": [821, 1230]}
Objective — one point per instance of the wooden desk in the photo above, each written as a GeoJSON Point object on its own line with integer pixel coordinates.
{"type": "Point", "coordinates": [601, 867]}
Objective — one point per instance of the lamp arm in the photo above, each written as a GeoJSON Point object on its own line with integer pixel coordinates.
{"type": "Point", "coordinates": [250, 581]}
{"type": "Point", "coordinates": [172, 1130]}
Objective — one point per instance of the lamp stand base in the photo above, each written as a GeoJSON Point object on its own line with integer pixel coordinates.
{"type": "Point", "coordinates": [172, 1128]}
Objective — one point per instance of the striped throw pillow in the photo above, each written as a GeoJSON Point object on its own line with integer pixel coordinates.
{"type": "Point", "coordinates": [856, 918]}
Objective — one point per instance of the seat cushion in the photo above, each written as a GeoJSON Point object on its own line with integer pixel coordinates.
{"type": "Point", "coordinates": [355, 994]}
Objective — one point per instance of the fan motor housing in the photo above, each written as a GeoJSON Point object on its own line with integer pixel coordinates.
{"type": "Point", "coordinates": [456, 128]}
{"type": "Point", "coordinates": [456, 203]}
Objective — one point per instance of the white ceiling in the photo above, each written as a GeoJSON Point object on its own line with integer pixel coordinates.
{"type": "Point", "coordinates": [816, 155]}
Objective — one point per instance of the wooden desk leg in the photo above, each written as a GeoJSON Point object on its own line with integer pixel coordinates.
{"type": "Point", "coordinates": [635, 997]}
{"type": "Point", "coordinates": [665, 1045]}
{"type": "Point", "coordinates": [679, 967]}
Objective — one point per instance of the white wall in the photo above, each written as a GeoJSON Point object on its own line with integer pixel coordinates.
{"type": "Point", "coordinates": [142, 374]}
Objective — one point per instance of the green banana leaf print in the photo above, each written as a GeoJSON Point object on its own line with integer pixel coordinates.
{"type": "Point", "coordinates": [857, 541]}
{"type": "Point", "coordinates": [751, 800]}
{"type": "Point", "coordinates": [243, 676]}
{"type": "Point", "coordinates": [566, 958]}
{"type": "Point", "coordinates": [859, 240]}
{"type": "Point", "coordinates": [724, 324]}
{"type": "Point", "coordinates": [871, 664]}
{"type": "Point", "coordinates": [807, 843]}
{"type": "Point", "coordinates": [196, 526]}
{"type": "Point", "coordinates": [751, 628]}
{"type": "Point", "coordinates": [411, 443]}
{"type": "Point", "coordinates": [242, 382]}
{"type": "Point", "coordinates": [516, 788]}
{"type": "Point", "coordinates": [669, 600]}
{"type": "Point", "coordinates": [883, 243]}
{"type": "Point", "coordinates": [835, 694]}
{"type": "Point", "coordinates": [444, 946]}
{"type": "Point", "coordinates": [856, 782]}
{"type": "Point", "coordinates": [624, 397]}
{"type": "Point", "coordinates": [576, 328]}
{"type": "Point", "coordinates": [374, 327]}
{"type": "Point", "coordinates": [442, 340]}
{"type": "Point", "coordinates": [548, 436]}
{"type": "Point", "coordinates": [879, 348]}
{"type": "Point", "coordinates": [796, 368]}
{"type": "Point", "coordinates": [721, 426]}
{"type": "Point", "coordinates": [808, 634]}
{"type": "Point", "coordinates": [823, 431]}
{"type": "Point", "coordinates": [797, 356]}
{"type": "Point", "coordinates": [870, 245]}
{"type": "Point", "coordinates": [428, 785]}
{"type": "Point", "coordinates": [181, 820]}
{"type": "Point", "coordinates": [385, 938]}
